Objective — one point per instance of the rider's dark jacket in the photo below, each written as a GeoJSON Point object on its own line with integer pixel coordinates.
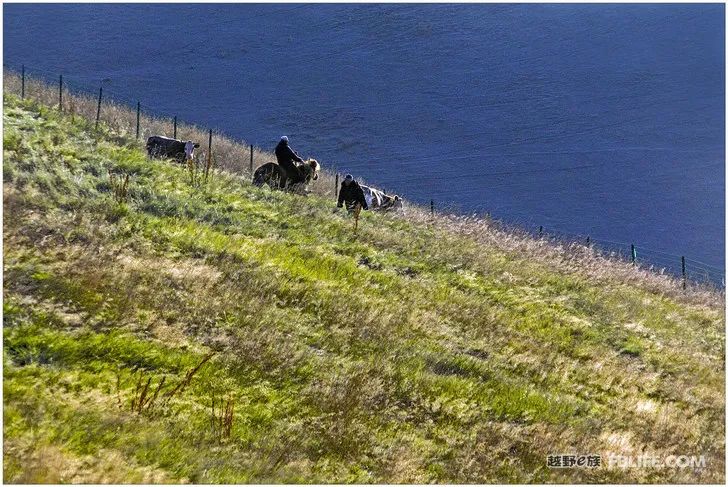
{"type": "Point", "coordinates": [286, 157]}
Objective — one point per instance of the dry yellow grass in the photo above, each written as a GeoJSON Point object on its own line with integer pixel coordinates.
{"type": "Point", "coordinates": [233, 156]}
{"type": "Point", "coordinates": [458, 351]}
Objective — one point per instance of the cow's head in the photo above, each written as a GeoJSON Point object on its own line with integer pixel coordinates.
{"type": "Point", "coordinates": [393, 202]}
{"type": "Point", "coordinates": [190, 149]}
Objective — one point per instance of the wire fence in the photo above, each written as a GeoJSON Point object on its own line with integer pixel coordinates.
{"type": "Point", "coordinates": [105, 105]}
{"type": "Point", "coordinates": [108, 106]}
{"type": "Point", "coordinates": [660, 261]}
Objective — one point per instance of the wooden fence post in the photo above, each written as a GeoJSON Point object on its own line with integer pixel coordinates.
{"type": "Point", "coordinates": [251, 158]}
{"type": "Point", "coordinates": [98, 107]}
{"type": "Point", "coordinates": [175, 127]}
{"type": "Point", "coordinates": [588, 242]}
{"type": "Point", "coordinates": [209, 155]}
{"type": "Point", "coordinates": [684, 274]}
{"type": "Point", "coordinates": [633, 253]}
{"type": "Point", "coordinates": [540, 230]}
{"type": "Point", "coordinates": [336, 188]}
{"type": "Point", "coordinates": [139, 108]}
{"type": "Point", "coordinates": [22, 83]}
{"type": "Point", "coordinates": [60, 93]}
{"type": "Point", "coordinates": [432, 207]}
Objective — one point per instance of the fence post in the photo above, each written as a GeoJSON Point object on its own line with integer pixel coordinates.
{"type": "Point", "coordinates": [139, 108]}
{"type": "Point", "coordinates": [22, 83]}
{"type": "Point", "coordinates": [175, 127]}
{"type": "Point", "coordinates": [209, 155]}
{"type": "Point", "coordinates": [588, 241]}
{"type": "Point", "coordinates": [60, 93]}
{"type": "Point", "coordinates": [540, 230]}
{"type": "Point", "coordinates": [634, 253]}
{"type": "Point", "coordinates": [251, 158]}
{"type": "Point", "coordinates": [98, 107]}
{"type": "Point", "coordinates": [336, 188]}
{"type": "Point", "coordinates": [432, 207]}
{"type": "Point", "coordinates": [684, 274]}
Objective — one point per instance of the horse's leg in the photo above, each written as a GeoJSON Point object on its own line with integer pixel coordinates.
{"type": "Point", "coordinates": [274, 179]}
{"type": "Point", "coordinates": [299, 188]}
{"type": "Point", "coordinates": [283, 179]}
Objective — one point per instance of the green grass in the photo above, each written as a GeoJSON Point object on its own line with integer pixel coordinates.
{"type": "Point", "coordinates": [409, 352]}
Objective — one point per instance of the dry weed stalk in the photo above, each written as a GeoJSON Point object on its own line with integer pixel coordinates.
{"type": "Point", "coordinates": [357, 212]}
{"type": "Point", "coordinates": [222, 420]}
{"type": "Point", "coordinates": [118, 389]}
{"type": "Point", "coordinates": [188, 378]}
{"type": "Point", "coordinates": [140, 394]}
{"type": "Point", "coordinates": [144, 400]}
{"type": "Point", "coordinates": [192, 170]}
{"type": "Point", "coordinates": [141, 400]}
{"type": "Point", "coordinates": [208, 165]}
{"type": "Point", "coordinates": [120, 186]}
{"type": "Point", "coordinates": [156, 393]}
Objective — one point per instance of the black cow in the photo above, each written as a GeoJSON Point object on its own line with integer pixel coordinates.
{"type": "Point", "coordinates": [165, 147]}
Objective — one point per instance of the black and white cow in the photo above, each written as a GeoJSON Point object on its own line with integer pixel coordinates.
{"type": "Point", "coordinates": [165, 147]}
{"type": "Point", "coordinates": [378, 201]}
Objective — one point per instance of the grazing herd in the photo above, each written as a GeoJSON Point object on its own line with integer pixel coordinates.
{"type": "Point", "coordinates": [290, 173]}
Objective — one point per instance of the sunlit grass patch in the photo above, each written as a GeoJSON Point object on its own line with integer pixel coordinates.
{"type": "Point", "coordinates": [416, 350]}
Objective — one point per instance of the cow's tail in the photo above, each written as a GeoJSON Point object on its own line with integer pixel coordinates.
{"type": "Point", "coordinates": [149, 146]}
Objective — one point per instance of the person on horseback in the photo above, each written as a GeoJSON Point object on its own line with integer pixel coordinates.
{"type": "Point", "coordinates": [287, 159]}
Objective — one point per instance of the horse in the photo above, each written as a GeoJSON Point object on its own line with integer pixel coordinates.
{"type": "Point", "coordinates": [275, 177]}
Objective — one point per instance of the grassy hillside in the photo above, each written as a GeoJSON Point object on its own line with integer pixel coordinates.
{"type": "Point", "coordinates": [191, 332]}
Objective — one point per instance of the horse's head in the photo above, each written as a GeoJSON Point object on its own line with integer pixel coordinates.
{"type": "Point", "coordinates": [311, 169]}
